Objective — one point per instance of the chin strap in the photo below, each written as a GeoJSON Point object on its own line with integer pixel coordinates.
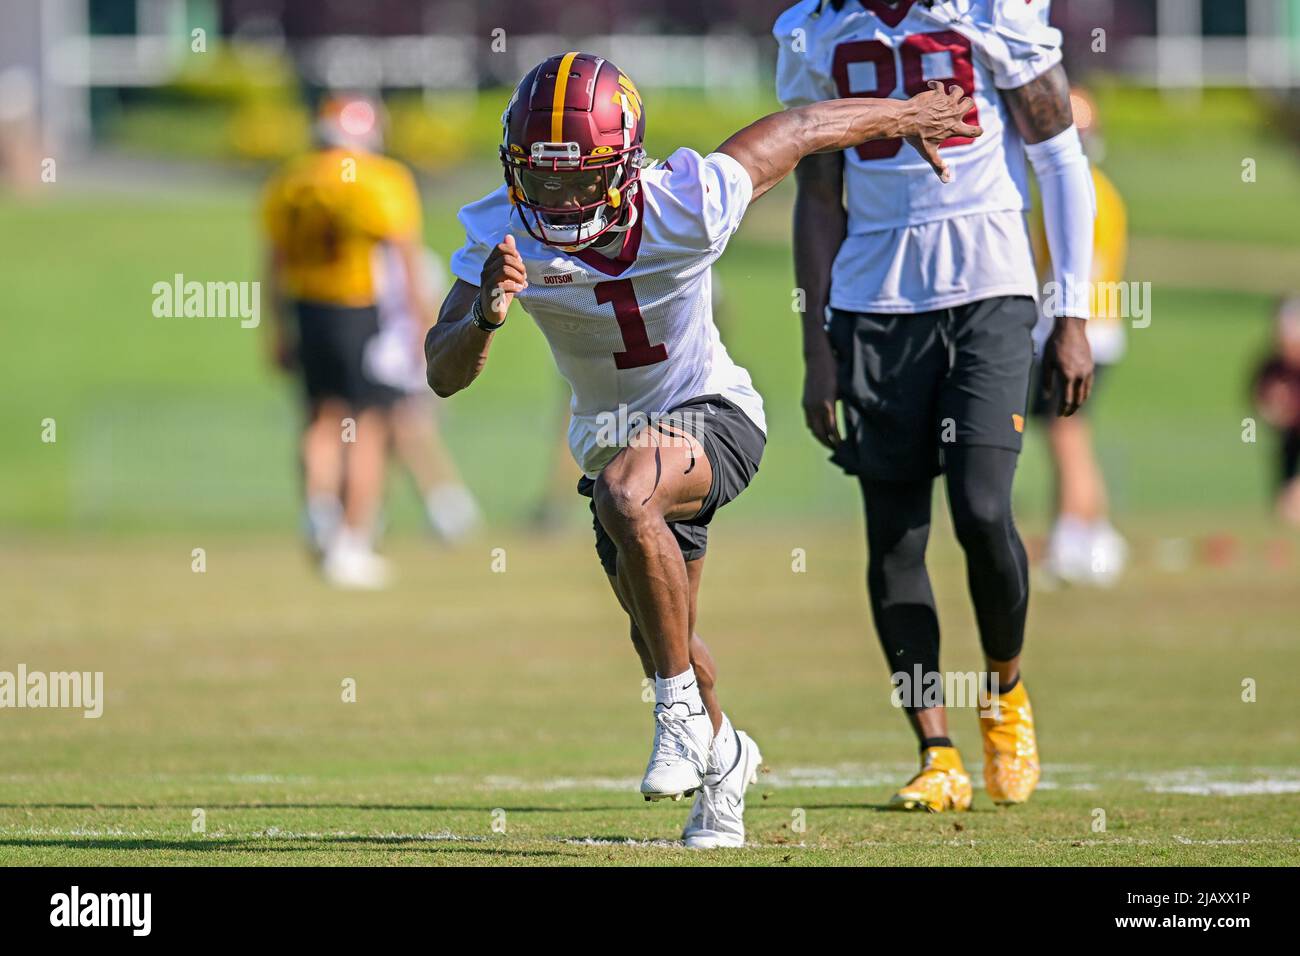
{"type": "Point", "coordinates": [631, 220]}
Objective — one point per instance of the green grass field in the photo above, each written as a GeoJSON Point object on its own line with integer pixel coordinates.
{"type": "Point", "coordinates": [224, 694]}
{"type": "Point", "coordinates": [498, 717]}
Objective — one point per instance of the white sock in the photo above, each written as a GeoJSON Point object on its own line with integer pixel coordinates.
{"type": "Point", "coordinates": [682, 689]}
{"type": "Point", "coordinates": [725, 750]}
{"type": "Point", "coordinates": [351, 539]}
{"type": "Point", "coordinates": [324, 514]}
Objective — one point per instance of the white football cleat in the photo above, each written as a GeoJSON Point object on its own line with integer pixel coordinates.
{"type": "Point", "coordinates": [680, 756]}
{"type": "Point", "coordinates": [1089, 555]}
{"type": "Point", "coordinates": [718, 816]}
{"type": "Point", "coordinates": [351, 564]}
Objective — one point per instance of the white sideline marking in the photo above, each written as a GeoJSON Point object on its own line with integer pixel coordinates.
{"type": "Point", "coordinates": [626, 841]}
{"type": "Point", "coordinates": [1189, 781]}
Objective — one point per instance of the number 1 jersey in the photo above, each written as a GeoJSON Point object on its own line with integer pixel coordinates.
{"type": "Point", "coordinates": [914, 243]}
{"type": "Point", "coordinates": [633, 334]}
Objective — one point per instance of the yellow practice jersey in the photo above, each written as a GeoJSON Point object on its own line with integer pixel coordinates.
{"type": "Point", "coordinates": [325, 212]}
{"type": "Point", "coordinates": [1110, 242]}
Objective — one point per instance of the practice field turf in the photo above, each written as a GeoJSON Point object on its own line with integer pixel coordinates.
{"type": "Point", "coordinates": [518, 736]}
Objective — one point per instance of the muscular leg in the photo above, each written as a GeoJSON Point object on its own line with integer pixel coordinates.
{"type": "Point", "coordinates": [664, 478]}
{"type": "Point", "coordinates": [902, 603]}
{"type": "Point", "coordinates": [706, 672]}
{"type": "Point", "coordinates": [997, 571]}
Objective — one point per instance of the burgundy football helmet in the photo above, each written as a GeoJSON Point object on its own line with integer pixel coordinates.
{"type": "Point", "coordinates": [572, 149]}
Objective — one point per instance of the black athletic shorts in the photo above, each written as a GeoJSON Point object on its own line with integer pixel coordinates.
{"type": "Point", "coordinates": [734, 446]}
{"type": "Point", "coordinates": [912, 385]}
{"type": "Point", "coordinates": [1045, 407]}
{"type": "Point", "coordinates": [331, 351]}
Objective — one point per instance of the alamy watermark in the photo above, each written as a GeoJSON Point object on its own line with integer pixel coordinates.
{"type": "Point", "coordinates": [636, 429]}
{"type": "Point", "coordinates": [181, 299]}
{"type": "Point", "coordinates": [133, 911]}
{"type": "Point", "coordinates": [921, 691]}
{"type": "Point", "coordinates": [1115, 300]}
{"type": "Point", "coordinates": [77, 690]}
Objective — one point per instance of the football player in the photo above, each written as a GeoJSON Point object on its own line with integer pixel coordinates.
{"type": "Point", "coordinates": [325, 215]}
{"type": "Point", "coordinates": [610, 255]}
{"type": "Point", "coordinates": [920, 302]}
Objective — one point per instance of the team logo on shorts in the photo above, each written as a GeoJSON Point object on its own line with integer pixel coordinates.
{"type": "Point", "coordinates": [1018, 422]}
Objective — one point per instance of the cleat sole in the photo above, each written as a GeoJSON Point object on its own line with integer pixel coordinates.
{"type": "Point", "coordinates": [669, 796]}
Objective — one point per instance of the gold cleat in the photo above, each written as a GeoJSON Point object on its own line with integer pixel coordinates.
{"type": "Point", "coordinates": [1010, 748]}
{"type": "Point", "coordinates": [942, 784]}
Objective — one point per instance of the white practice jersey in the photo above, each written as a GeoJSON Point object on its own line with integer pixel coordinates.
{"type": "Point", "coordinates": [915, 243]}
{"type": "Point", "coordinates": [633, 334]}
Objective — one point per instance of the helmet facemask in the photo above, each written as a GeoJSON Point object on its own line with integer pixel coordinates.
{"type": "Point", "coordinates": [569, 200]}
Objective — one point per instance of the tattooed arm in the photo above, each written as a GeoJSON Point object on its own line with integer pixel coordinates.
{"type": "Point", "coordinates": [1041, 108]}
{"type": "Point", "coordinates": [1042, 114]}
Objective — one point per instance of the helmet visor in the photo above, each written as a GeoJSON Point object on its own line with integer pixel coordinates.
{"type": "Point", "coordinates": [563, 192]}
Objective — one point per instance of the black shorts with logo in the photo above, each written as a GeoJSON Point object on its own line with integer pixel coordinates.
{"type": "Point", "coordinates": [734, 447]}
{"type": "Point", "coordinates": [913, 384]}
{"type": "Point", "coordinates": [331, 353]}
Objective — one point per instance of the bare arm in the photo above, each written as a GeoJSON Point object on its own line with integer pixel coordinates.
{"type": "Point", "coordinates": [1041, 110]}
{"type": "Point", "coordinates": [771, 147]}
{"type": "Point", "coordinates": [456, 350]}
{"type": "Point", "coordinates": [820, 224]}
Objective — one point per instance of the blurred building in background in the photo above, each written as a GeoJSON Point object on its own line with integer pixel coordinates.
{"type": "Point", "coordinates": [76, 66]}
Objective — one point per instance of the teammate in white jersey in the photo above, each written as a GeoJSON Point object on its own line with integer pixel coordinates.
{"type": "Point", "coordinates": [611, 257]}
{"type": "Point", "coordinates": [920, 305]}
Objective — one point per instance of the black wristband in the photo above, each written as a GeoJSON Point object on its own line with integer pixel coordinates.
{"type": "Point", "coordinates": [480, 321]}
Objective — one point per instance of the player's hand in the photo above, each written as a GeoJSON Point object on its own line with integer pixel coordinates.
{"type": "Point", "coordinates": [503, 277]}
{"type": "Point", "coordinates": [1067, 365]}
{"type": "Point", "coordinates": [819, 394]}
{"type": "Point", "coordinates": [934, 116]}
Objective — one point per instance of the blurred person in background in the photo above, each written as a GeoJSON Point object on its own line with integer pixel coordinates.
{"type": "Point", "coordinates": [325, 214]}
{"type": "Point", "coordinates": [395, 357]}
{"type": "Point", "coordinates": [1083, 548]}
{"type": "Point", "coordinates": [1277, 398]}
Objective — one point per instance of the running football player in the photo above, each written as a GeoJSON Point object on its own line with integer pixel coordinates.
{"type": "Point", "coordinates": [920, 304]}
{"type": "Point", "coordinates": [610, 254]}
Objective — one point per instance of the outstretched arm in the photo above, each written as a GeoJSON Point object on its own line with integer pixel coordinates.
{"type": "Point", "coordinates": [1042, 113]}
{"type": "Point", "coordinates": [772, 146]}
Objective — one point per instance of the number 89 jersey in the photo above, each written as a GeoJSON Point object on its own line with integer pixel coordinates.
{"type": "Point", "coordinates": [633, 333]}
{"type": "Point", "coordinates": [872, 48]}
